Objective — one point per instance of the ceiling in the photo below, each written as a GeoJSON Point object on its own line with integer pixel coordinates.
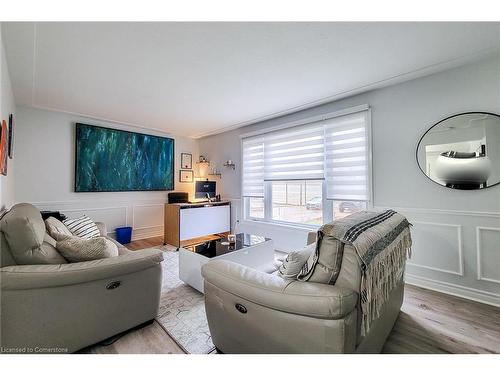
{"type": "Point", "coordinates": [195, 79]}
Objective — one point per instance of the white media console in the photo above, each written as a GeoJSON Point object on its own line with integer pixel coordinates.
{"type": "Point", "coordinates": [186, 221]}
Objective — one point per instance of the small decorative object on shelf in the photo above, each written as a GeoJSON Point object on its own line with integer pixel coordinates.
{"type": "Point", "coordinates": [230, 164]}
{"type": "Point", "coordinates": [215, 172]}
{"type": "Point", "coordinates": [203, 165]}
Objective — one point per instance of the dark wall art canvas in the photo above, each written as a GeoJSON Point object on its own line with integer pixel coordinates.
{"type": "Point", "coordinates": [117, 160]}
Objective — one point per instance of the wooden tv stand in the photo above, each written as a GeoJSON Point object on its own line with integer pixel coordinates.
{"type": "Point", "coordinates": [187, 221]}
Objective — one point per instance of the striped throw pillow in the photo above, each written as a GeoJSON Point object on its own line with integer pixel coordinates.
{"type": "Point", "coordinates": [82, 227]}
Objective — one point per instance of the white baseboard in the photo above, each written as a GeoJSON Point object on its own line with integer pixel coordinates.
{"type": "Point", "coordinates": [454, 290]}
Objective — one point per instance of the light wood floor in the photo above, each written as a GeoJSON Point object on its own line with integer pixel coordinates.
{"type": "Point", "coordinates": [433, 322]}
{"type": "Point", "coordinates": [145, 243]}
{"type": "Point", "coordinates": [429, 322]}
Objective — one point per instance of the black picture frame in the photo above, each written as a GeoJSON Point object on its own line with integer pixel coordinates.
{"type": "Point", "coordinates": [186, 164]}
{"type": "Point", "coordinates": [186, 172]}
{"type": "Point", "coordinates": [11, 136]}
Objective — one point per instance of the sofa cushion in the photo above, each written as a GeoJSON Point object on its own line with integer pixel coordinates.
{"type": "Point", "coordinates": [323, 265]}
{"type": "Point", "coordinates": [351, 270]}
{"type": "Point", "coordinates": [76, 249]}
{"type": "Point", "coordinates": [120, 247]}
{"type": "Point", "coordinates": [294, 261]}
{"type": "Point", "coordinates": [122, 250]}
{"type": "Point", "coordinates": [50, 240]}
{"type": "Point", "coordinates": [24, 231]}
{"type": "Point", "coordinates": [56, 228]}
{"type": "Point", "coordinates": [6, 258]}
{"type": "Point", "coordinates": [82, 227]}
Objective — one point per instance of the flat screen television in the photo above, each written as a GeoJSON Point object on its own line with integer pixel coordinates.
{"type": "Point", "coordinates": [117, 160]}
{"type": "Point", "coordinates": [202, 188]}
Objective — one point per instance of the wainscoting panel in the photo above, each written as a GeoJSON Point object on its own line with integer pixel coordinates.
{"type": "Point", "coordinates": [147, 220]}
{"type": "Point", "coordinates": [455, 252]}
{"type": "Point", "coordinates": [147, 216]}
{"type": "Point", "coordinates": [437, 247]}
{"type": "Point", "coordinates": [488, 254]}
{"type": "Point", "coordinates": [144, 216]}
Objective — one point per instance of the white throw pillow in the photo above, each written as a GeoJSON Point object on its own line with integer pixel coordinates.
{"type": "Point", "coordinates": [82, 227]}
{"type": "Point", "coordinates": [294, 262]}
{"type": "Point", "coordinates": [56, 228]}
{"type": "Point", "coordinates": [76, 249]}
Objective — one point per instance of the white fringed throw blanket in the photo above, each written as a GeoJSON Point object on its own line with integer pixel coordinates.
{"type": "Point", "coordinates": [383, 243]}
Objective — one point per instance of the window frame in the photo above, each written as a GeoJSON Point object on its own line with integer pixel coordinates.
{"type": "Point", "coordinates": [246, 209]}
{"type": "Point", "coordinates": [327, 203]}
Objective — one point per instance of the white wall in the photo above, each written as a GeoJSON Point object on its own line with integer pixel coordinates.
{"type": "Point", "coordinates": [7, 107]}
{"type": "Point", "coordinates": [456, 233]}
{"type": "Point", "coordinates": [44, 176]}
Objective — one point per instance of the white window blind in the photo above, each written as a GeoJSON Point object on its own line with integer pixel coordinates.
{"type": "Point", "coordinates": [334, 150]}
{"type": "Point", "coordinates": [294, 154]}
{"type": "Point", "coordinates": [346, 157]}
{"type": "Point", "coordinates": [253, 167]}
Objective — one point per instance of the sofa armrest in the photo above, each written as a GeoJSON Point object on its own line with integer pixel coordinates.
{"type": "Point", "coordinates": [292, 296]}
{"type": "Point", "coordinates": [102, 229]}
{"type": "Point", "coordinates": [55, 275]}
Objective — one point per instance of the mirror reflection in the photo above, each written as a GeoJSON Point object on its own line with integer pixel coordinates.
{"type": "Point", "coordinates": [462, 151]}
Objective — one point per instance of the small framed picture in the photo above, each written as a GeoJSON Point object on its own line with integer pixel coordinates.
{"type": "Point", "coordinates": [186, 176]}
{"type": "Point", "coordinates": [186, 161]}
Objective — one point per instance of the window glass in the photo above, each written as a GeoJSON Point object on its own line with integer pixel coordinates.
{"type": "Point", "coordinates": [298, 202]}
{"type": "Point", "coordinates": [344, 208]}
{"type": "Point", "coordinates": [256, 208]}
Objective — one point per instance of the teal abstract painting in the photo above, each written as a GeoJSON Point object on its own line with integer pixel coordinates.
{"type": "Point", "coordinates": [116, 160]}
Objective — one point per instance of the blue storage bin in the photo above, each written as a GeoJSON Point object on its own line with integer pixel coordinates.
{"type": "Point", "coordinates": [124, 235]}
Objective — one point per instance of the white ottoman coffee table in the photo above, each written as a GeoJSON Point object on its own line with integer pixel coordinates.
{"type": "Point", "coordinates": [249, 250]}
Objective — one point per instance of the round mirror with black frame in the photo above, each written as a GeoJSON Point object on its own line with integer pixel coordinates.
{"type": "Point", "coordinates": [462, 151]}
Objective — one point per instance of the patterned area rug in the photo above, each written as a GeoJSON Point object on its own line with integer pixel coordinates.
{"type": "Point", "coordinates": [182, 309]}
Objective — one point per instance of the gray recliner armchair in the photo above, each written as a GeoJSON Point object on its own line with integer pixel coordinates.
{"type": "Point", "coordinates": [55, 306]}
{"type": "Point", "coordinates": [249, 311]}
